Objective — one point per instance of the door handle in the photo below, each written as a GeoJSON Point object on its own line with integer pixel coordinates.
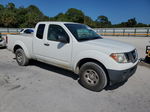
{"type": "Point", "coordinates": [46, 44]}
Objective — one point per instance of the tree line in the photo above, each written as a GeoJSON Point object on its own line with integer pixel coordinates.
{"type": "Point", "coordinates": [10, 16]}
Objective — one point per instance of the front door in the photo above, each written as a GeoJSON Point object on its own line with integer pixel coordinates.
{"type": "Point", "coordinates": [54, 51]}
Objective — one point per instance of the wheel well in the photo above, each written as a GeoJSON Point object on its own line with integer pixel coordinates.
{"type": "Point", "coordinates": [16, 47]}
{"type": "Point", "coordinates": [83, 61]}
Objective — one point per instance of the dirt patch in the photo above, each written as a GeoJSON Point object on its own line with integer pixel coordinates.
{"type": "Point", "coordinates": [6, 83]}
{"type": "Point", "coordinates": [4, 80]}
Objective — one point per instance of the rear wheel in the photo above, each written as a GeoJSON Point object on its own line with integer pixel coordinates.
{"type": "Point", "coordinates": [21, 58]}
{"type": "Point", "coordinates": [93, 76]}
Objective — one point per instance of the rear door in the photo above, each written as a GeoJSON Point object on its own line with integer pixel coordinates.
{"type": "Point", "coordinates": [38, 41]}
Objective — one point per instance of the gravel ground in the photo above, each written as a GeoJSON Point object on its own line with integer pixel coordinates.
{"type": "Point", "coordinates": [43, 88]}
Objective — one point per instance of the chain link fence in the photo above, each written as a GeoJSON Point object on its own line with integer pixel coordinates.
{"type": "Point", "coordinates": [144, 32]}
{"type": "Point", "coordinates": [9, 30]}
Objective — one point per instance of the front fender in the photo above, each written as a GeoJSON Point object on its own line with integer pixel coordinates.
{"type": "Point", "coordinates": [101, 57]}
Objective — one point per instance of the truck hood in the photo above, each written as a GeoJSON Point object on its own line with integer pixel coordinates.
{"type": "Point", "coordinates": [111, 46]}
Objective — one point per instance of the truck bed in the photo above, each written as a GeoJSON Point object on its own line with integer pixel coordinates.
{"type": "Point", "coordinates": [24, 39]}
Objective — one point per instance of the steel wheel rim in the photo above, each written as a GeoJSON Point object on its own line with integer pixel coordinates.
{"type": "Point", "coordinates": [91, 77]}
{"type": "Point", "coordinates": [19, 57]}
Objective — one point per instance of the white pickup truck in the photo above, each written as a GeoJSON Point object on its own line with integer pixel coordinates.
{"type": "Point", "coordinates": [98, 61]}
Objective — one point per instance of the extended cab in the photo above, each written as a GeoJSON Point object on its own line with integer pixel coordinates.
{"type": "Point", "coordinates": [98, 61]}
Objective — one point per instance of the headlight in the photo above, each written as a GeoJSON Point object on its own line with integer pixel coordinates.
{"type": "Point", "coordinates": [119, 57]}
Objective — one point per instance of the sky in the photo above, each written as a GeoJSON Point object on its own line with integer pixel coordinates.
{"type": "Point", "coordinates": [117, 11]}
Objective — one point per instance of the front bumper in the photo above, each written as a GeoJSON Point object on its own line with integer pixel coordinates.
{"type": "Point", "coordinates": [117, 76]}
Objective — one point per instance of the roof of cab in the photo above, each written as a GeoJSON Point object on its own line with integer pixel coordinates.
{"type": "Point", "coordinates": [56, 22]}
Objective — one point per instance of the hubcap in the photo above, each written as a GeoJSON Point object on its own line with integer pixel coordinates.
{"type": "Point", "coordinates": [19, 57]}
{"type": "Point", "coordinates": [91, 77]}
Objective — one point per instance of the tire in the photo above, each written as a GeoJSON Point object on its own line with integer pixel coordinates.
{"type": "Point", "coordinates": [21, 58]}
{"type": "Point", "coordinates": [93, 76]}
{"type": "Point", "coordinates": [147, 59]}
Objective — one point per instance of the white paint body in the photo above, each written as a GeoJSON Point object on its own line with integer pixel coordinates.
{"type": "Point", "coordinates": [68, 55]}
{"type": "Point", "coordinates": [2, 42]}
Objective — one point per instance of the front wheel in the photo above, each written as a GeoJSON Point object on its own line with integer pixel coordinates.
{"type": "Point", "coordinates": [21, 58]}
{"type": "Point", "coordinates": [93, 76]}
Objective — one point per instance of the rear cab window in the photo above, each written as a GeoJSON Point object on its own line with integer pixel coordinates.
{"type": "Point", "coordinates": [40, 31]}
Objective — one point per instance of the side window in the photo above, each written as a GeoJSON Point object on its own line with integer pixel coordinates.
{"type": "Point", "coordinates": [40, 31]}
{"type": "Point", "coordinates": [54, 31]}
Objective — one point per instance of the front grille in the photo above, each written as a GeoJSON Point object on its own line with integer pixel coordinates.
{"type": "Point", "coordinates": [132, 56]}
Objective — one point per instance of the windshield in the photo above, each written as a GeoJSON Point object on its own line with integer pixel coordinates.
{"type": "Point", "coordinates": [82, 32]}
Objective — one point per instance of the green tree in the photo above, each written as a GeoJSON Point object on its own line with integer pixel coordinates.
{"type": "Point", "coordinates": [141, 25]}
{"type": "Point", "coordinates": [31, 19]}
{"type": "Point", "coordinates": [30, 16]}
{"type": "Point", "coordinates": [10, 6]}
{"type": "Point", "coordinates": [45, 18]}
{"type": "Point", "coordinates": [52, 19]}
{"type": "Point", "coordinates": [131, 22]}
{"type": "Point", "coordinates": [33, 8]}
{"type": "Point", "coordinates": [88, 21]}
{"type": "Point", "coordinates": [75, 15]}
{"type": "Point", "coordinates": [8, 18]}
{"type": "Point", "coordinates": [61, 17]}
{"type": "Point", "coordinates": [1, 7]}
{"type": "Point", "coordinates": [21, 18]}
{"type": "Point", "coordinates": [102, 21]}
{"type": "Point", "coordinates": [1, 11]}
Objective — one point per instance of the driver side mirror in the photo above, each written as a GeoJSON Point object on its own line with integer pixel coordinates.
{"type": "Point", "coordinates": [62, 39]}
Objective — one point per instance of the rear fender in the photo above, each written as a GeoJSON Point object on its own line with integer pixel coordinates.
{"type": "Point", "coordinates": [23, 46]}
